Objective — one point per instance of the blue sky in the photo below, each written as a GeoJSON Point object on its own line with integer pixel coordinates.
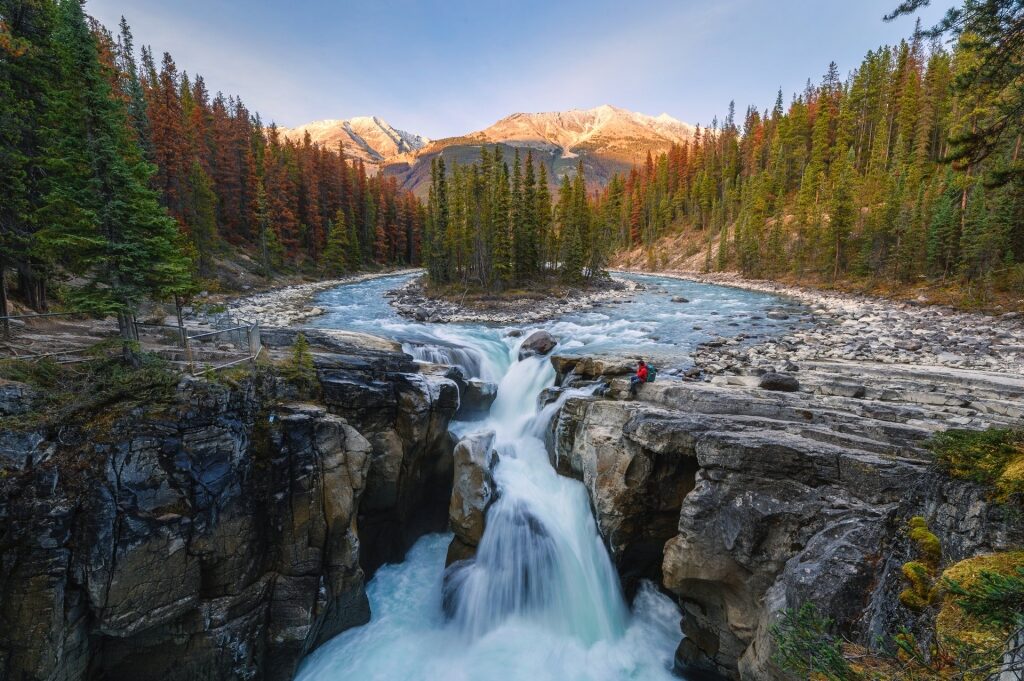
{"type": "Point", "coordinates": [446, 68]}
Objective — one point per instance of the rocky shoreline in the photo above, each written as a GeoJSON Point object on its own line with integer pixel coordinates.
{"type": "Point", "coordinates": [413, 302]}
{"type": "Point", "coordinates": [848, 327]}
{"type": "Point", "coordinates": [289, 305]}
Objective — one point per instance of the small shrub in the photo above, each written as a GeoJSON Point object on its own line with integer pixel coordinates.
{"type": "Point", "coordinates": [986, 592]}
{"type": "Point", "coordinates": [805, 646]}
{"type": "Point", "coordinates": [301, 370]}
{"type": "Point", "coordinates": [992, 457]}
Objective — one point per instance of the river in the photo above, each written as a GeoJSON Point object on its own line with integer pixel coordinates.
{"type": "Point", "coordinates": [541, 600]}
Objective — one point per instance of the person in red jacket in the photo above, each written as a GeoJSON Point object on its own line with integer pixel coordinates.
{"type": "Point", "coordinates": [640, 377]}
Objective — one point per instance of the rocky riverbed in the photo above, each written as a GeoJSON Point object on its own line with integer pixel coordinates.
{"type": "Point", "coordinates": [289, 305]}
{"type": "Point", "coordinates": [412, 301]}
{"type": "Point", "coordinates": [847, 327]}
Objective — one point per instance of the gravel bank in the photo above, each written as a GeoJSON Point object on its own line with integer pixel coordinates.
{"type": "Point", "coordinates": [857, 328]}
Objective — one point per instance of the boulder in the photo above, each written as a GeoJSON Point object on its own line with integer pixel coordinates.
{"type": "Point", "coordinates": [679, 299]}
{"type": "Point", "coordinates": [779, 382]}
{"type": "Point", "coordinates": [590, 368]}
{"type": "Point", "coordinates": [472, 493]}
{"type": "Point", "coordinates": [539, 342]}
{"type": "Point", "coordinates": [843, 389]}
{"type": "Point", "coordinates": [476, 399]}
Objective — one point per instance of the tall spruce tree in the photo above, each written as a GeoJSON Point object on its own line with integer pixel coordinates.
{"type": "Point", "coordinates": [338, 250]}
{"type": "Point", "coordinates": [27, 80]}
{"type": "Point", "coordinates": [102, 220]}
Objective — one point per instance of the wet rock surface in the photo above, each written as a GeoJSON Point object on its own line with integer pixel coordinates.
{"type": "Point", "coordinates": [477, 398]}
{"type": "Point", "coordinates": [472, 493]}
{"type": "Point", "coordinates": [537, 343]}
{"type": "Point", "coordinates": [223, 535]}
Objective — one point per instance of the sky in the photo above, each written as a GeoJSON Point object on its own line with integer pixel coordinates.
{"type": "Point", "coordinates": [447, 68]}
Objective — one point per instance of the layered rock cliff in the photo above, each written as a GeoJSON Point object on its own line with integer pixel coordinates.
{"type": "Point", "coordinates": [746, 502]}
{"type": "Point", "coordinates": [224, 534]}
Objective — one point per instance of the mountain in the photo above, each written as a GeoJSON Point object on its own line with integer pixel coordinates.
{"type": "Point", "coordinates": [607, 138]}
{"type": "Point", "coordinates": [368, 138]}
{"type": "Point", "coordinates": [605, 130]}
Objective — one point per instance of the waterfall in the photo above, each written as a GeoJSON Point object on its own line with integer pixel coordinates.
{"type": "Point", "coordinates": [541, 599]}
{"type": "Point", "coordinates": [541, 558]}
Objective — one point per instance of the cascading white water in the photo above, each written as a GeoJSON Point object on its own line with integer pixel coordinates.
{"type": "Point", "coordinates": [541, 600]}
{"type": "Point", "coordinates": [541, 558]}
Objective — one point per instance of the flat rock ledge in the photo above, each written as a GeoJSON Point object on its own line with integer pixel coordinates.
{"type": "Point", "coordinates": [411, 302]}
{"type": "Point", "coordinates": [745, 502]}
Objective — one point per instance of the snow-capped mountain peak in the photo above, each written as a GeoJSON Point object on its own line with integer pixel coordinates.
{"type": "Point", "coordinates": [606, 127]}
{"type": "Point", "coordinates": [369, 138]}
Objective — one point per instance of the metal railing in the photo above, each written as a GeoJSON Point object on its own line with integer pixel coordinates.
{"type": "Point", "coordinates": [235, 344]}
{"type": "Point", "coordinates": [198, 351]}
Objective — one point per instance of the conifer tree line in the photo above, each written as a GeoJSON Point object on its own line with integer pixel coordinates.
{"type": "Point", "coordinates": [131, 175]}
{"type": "Point", "coordinates": [910, 167]}
{"type": "Point", "coordinates": [493, 227]}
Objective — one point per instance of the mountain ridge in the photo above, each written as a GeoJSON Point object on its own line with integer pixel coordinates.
{"type": "Point", "coordinates": [369, 138]}
{"type": "Point", "coordinates": [608, 139]}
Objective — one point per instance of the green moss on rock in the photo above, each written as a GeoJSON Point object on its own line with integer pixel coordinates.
{"type": "Point", "coordinates": [991, 457]}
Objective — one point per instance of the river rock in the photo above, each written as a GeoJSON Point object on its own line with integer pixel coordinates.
{"type": "Point", "coordinates": [472, 493]}
{"type": "Point", "coordinates": [679, 299]}
{"type": "Point", "coordinates": [539, 342]}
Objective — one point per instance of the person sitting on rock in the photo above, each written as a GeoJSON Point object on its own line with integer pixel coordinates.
{"type": "Point", "coordinates": [638, 378]}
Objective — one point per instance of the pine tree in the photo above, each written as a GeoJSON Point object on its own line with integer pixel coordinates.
{"type": "Point", "coordinates": [103, 222]}
{"type": "Point", "coordinates": [132, 88]}
{"type": "Point", "coordinates": [502, 258]}
{"type": "Point", "coordinates": [842, 213]}
{"type": "Point", "coordinates": [201, 217]}
{"type": "Point", "coordinates": [27, 80]}
{"type": "Point", "coordinates": [573, 258]}
{"type": "Point", "coordinates": [338, 250]}
{"type": "Point", "coordinates": [546, 245]}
